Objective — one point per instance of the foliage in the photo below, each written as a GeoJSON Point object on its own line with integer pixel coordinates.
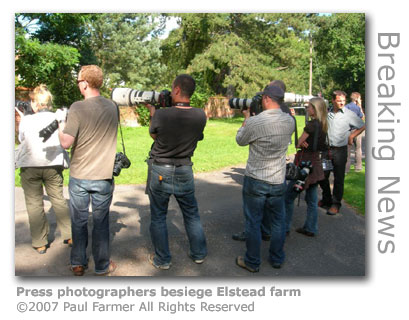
{"type": "Point", "coordinates": [238, 54]}
{"type": "Point", "coordinates": [49, 64]}
{"type": "Point", "coordinates": [233, 54]}
{"type": "Point", "coordinates": [128, 50]}
{"type": "Point", "coordinates": [69, 29]}
{"type": "Point", "coordinates": [143, 115]}
{"type": "Point", "coordinates": [340, 48]}
{"type": "Point", "coordinates": [199, 99]}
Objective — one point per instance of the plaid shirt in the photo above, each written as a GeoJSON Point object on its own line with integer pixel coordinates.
{"type": "Point", "coordinates": [268, 134]}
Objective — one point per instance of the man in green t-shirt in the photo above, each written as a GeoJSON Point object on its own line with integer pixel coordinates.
{"type": "Point", "coordinates": [90, 130]}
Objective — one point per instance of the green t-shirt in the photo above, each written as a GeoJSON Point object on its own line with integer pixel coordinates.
{"type": "Point", "coordinates": [93, 123]}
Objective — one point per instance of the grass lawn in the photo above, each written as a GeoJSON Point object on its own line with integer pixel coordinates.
{"type": "Point", "coordinates": [218, 150]}
{"type": "Point", "coordinates": [354, 189]}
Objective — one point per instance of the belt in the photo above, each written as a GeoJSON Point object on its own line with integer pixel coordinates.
{"type": "Point", "coordinates": [333, 147]}
{"type": "Point", "coordinates": [166, 165]}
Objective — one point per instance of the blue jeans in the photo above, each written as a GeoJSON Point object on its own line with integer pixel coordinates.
{"type": "Point", "coordinates": [99, 192]}
{"type": "Point", "coordinates": [259, 199]}
{"type": "Point", "coordinates": [311, 197]}
{"type": "Point", "coordinates": [166, 180]}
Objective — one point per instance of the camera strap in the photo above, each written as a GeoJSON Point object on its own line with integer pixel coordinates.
{"type": "Point", "coordinates": [295, 131]}
{"type": "Point", "coordinates": [316, 134]}
{"type": "Point", "coordinates": [182, 104]}
{"type": "Point", "coordinates": [120, 127]}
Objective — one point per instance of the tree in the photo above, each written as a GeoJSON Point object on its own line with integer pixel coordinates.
{"type": "Point", "coordinates": [240, 52]}
{"type": "Point", "coordinates": [69, 29]}
{"type": "Point", "coordinates": [128, 49]}
{"type": "Point", "coordinates": [51, 47]}
{"type": "Point", "coordinates": [340, 47]}
{"type": "Point", "coordinates": [49, 64]}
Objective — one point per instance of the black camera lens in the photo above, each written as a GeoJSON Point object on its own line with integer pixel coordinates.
{"type": "Point", "coordinates": [47, 132]}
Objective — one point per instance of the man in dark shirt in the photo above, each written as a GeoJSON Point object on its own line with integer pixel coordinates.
{"type": "Point", "coordinates": [176, 131]}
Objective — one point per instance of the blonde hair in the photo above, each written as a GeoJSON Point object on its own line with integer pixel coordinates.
{"type": "Point", "coordinates": [321, 112]}
{"type": "Point", "coordinates": [93, 75]}
{"type": "Point", "coordinates": [42, 96]}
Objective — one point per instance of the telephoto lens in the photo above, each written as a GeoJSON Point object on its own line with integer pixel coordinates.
{"type": "Point", "coordinates": [129, 97]}
{"type": "Point", "coordinates": [47, 132]}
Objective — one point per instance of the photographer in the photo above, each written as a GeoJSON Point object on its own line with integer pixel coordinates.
{"type": "Point", "coordinates": [42, 164]}
{"type": "Point", "coordinates": [91, 130]}
{"type": "Point", "coordinates": [268, 135]}
{"type": "Point", "coordinates": [266, 222]}
{"type": "Point", "coordinates": [316, 129]}
{"type": "Point", "coordinates": [176, 132]}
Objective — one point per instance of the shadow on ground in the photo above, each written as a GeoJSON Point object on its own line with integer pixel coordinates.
{"type": "Point", "coordinates": [338, 250]}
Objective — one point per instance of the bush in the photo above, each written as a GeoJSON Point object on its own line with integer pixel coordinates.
{"type": "Point", "coordinates": [143, 115]}
{"type": "Point", "coordinates": [199, 99]}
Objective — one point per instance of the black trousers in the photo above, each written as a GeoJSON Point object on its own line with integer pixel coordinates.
{"type": "Point", "coordinates": [339, 160]}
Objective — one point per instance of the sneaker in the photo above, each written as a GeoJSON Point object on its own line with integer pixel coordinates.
{"type": "Point", "coordinates": [276, 265]}
{"type": "Point", "coordinates": [239, 236]}
{"type": "Point", "coordinates": [240, 262]}
{"type": "Point", "coordinates": [111, 269]}
{"type": "Point", "coordinates": [197, 261]}
{"type": "Point", "coordinates": [305, 232]}
{"type": "Point", "coordinates": [165, 266]}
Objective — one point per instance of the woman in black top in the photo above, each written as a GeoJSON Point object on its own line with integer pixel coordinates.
{"type": "Point", "coordinates": [310, 145]}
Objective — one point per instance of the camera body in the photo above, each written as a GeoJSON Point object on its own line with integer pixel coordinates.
{"type": "Point", "coordinates": [304, 168]}
{"type": "Point", "coordinates": [121, 162]}
{"type": "Point", "coordinates": [24, 107]}
{"type": "Point", "coordinates": [130, 97]}
{"type": "Point", "coordinates": [255, 106]}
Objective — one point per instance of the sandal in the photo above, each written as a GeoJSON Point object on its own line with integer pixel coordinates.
{"type": "Point", "coordinates": [41, 250]}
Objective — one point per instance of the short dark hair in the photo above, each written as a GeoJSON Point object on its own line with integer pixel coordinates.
{"type": "Point", "coordinates": [186, 84]}
{"type": "Point", "coordinates": [355, 96]}
{"type": "Point", "coordinates": [338, 93]}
